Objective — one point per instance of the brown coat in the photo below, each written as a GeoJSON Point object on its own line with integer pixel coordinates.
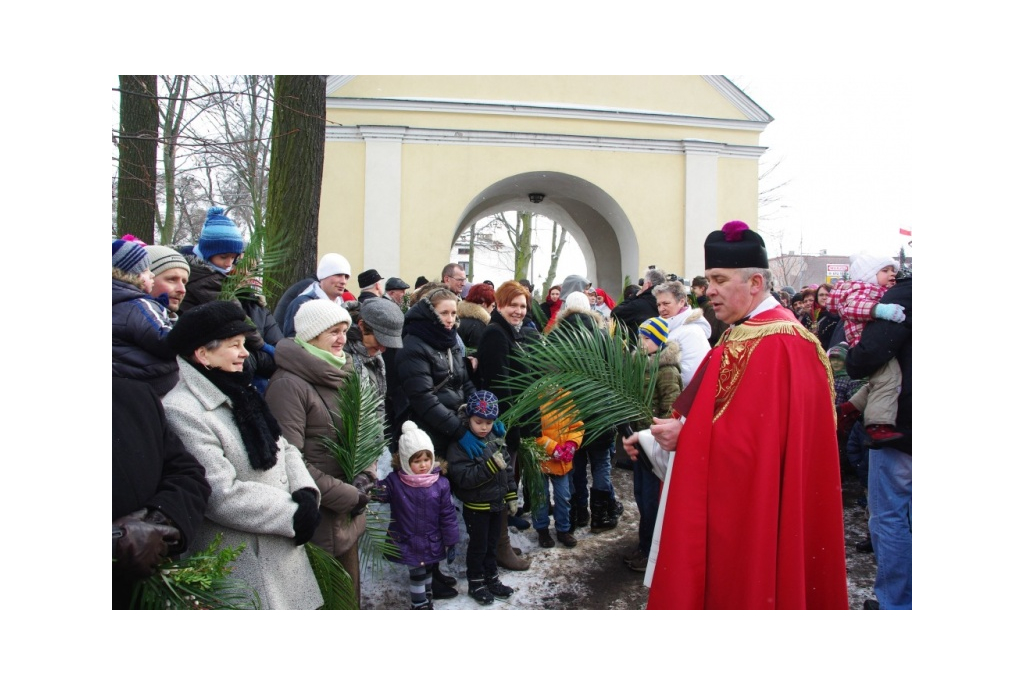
{"type": "Point", "coordinates": [299, 394]}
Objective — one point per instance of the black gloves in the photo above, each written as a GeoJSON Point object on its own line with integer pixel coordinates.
{"type": "Point", "coordinates": [364, 482]}
{"type": "Point", "coordinates": [307, 516]}
{"type": "Point", "coordinates": [140, 546]}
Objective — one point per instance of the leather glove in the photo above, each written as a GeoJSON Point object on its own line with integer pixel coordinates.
{"type": "Point", "coordinates": [846, 416]}
{"type": "Point", "coordinates": [890, 312]}
{"type": "Point", "coordinates": [451, 555]}
{"type": "Point", "coordinates": [473, 445]}
{"type": "Point", "coordinates": [498, 428]}
{"type": "Point", "coordinates": [160, 518]}
{"type": "Point", "coordinates": [364, 499]}
{"type": "Point", "coordinates": [498, 461]}
{"type": "Point", "coordinates": [364, 482]}
{"type": "Point", "coordinates": [307, 517]}
{"type": "Point", "coordinates": [140, 546]}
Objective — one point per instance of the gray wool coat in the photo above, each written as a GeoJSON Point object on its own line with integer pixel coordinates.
{"type": "Point", "coordinates": [246, 505]}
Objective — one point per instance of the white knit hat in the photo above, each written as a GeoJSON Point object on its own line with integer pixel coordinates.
{"type": "Point", "coordinates": [412, 441]}
{"type": "Point", "coordinates": [577, 302]}
{"type": "Point", "coordinates": [316, 316]}
{"type": "Point", "coordinates": [865, 267]}
{"type": "Point", "coordinates": [332, 264]}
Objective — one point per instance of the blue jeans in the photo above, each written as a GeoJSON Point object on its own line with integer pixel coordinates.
{"type": "Point", "coordinates": [600, 458]}
{"type": "Point", "coordinates": [561, 487]}
{"type": "Point", "coordinates": [891, 505]}
{"type": "Point", "coordinates": [647, 493]}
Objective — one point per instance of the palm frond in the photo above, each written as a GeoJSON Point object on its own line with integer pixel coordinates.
{"type": "Point", "coordinates": [257, 261]}
{"type": "Point", "coordinates": [529, 456]}
{"type": "Point", "coordinates": [200, 581]}
{"type": "Point", "coordinates": [359, 431]}
{"type": "Point", "coordinates": [609, 385]}
{"type": "Point", "coordinates": [335, 583]}
{"type": "Point", "coordinates": [375, 545]}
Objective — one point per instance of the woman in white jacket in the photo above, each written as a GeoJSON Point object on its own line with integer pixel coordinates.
{"type": "Point", "coordinates": [687, 326]}
{"type": "Point", "coordinates": [261, 493]}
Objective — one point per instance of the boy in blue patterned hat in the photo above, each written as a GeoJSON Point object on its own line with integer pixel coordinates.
{"type": "Point", "coordinates": [485, 485]}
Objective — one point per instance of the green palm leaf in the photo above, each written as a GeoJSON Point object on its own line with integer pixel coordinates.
{"type": "Point", "coordinates": [609, 385]}
{"type": "Point", "coordinates": [358, 429]}
{"type": "Point", "coordinates": [334, 581]}
{"type": "Point", "coordinates": [375, 546]}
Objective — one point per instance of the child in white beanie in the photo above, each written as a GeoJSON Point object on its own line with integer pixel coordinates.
{"type": "Point", "coordinates": [424, 525]}
{"type": "Point", "coordinates": [857, 302]}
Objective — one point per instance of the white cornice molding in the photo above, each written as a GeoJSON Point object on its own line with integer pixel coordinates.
{"type": "Point", "coordinates": [543, 110]}
{"type": "Point", "coordinates": [739, 99]}
{"type": "Point", "coordinates": [353, 134]}
{"type": "Point", "coordinates": [336, 82]}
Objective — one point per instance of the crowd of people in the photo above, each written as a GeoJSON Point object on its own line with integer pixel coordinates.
{"type": "Point", "coordinates": [737, 480]}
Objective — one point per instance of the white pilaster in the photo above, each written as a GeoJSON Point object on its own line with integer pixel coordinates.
{"type": "Point", "coordinates": [383, 199]}
{"type": "Point", "coordinates": [701, 213]}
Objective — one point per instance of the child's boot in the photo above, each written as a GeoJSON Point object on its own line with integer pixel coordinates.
{"type": "Point", "coordinates": [497, 588]}
{"type": "Point", "coordinates": [880, 434]}
{"type": "Point", "coordinates": [426, 605]}
{"type": "Point", "coordinates": [479, 591]}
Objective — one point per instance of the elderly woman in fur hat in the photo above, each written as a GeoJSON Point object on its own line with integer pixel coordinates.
{"type": "Point", "coordinates": [262, 496]}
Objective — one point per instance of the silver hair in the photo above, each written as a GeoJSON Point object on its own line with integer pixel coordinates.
{"type": "Point", "coordinates": [751, 271]}
{"type": "Point", "coordinates": [654, 277]}
{"type": "Point", "coordinates": [674, 288]}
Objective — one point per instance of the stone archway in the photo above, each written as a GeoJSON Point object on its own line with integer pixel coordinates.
{"type": "Point", "coordinates": [590, 214]}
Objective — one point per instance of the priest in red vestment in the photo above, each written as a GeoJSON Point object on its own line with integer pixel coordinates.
{"type": "Point", "coordinates": [751, 515]}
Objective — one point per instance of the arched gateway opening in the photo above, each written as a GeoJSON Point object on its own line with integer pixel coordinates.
{"type": "Point", "coordinates": [593, 218]}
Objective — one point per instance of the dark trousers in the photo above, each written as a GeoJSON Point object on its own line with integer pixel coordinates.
{"type": "Point", "coordinates": [647, 493]}
{"type": "Point", "coordinates": [483, 527]}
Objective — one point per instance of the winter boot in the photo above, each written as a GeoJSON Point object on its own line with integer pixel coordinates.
{"type": "Point", "coordinates": [544, 538]}
{"type": "Point", "coordinates": [507, 558]}
{"type": "Point", "coordinates": [426, 605]}
{"type": "Point", "coordinates": [566, 539]}
{"type": "Point", "coordinates": [478, 591]}
{"type": "Point", "coordinates": [880, 434]}
{"type": "Point", "coordinates": [572, 516]}
{"type": "Point", "coordinates": [441, 591]}
{"type": "Point", "coordinates": [602, 517]}
{"type": "Point", "coordinates": [441, 579]}
{"type": "Point", "coordinates": [582, 516]}
{"type": "Point", "coordinates": [497, 588]}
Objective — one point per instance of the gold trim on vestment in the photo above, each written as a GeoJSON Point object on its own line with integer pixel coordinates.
{"type": "Point", "coordinates": [739, 343]}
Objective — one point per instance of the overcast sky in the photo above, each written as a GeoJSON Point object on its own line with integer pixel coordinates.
{"type": "Point", "coordinates": [844, 148]}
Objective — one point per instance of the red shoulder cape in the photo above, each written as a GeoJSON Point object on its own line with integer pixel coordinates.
{"type": "Point", "coordinates": [754, 514]}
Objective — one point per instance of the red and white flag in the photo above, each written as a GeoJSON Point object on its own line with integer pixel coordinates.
{"type": "Point", "coordinates": [905, 231]}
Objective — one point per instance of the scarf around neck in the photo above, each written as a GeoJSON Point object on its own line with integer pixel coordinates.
{"type": "Point", "coordinates": [419, 480]}
{"type": "Point", "coordinates": [258, 427]}
{"type": "Point", "coordinates": [338, 361]}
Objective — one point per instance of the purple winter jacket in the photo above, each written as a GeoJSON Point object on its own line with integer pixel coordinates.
{"type": "Point", "coordinates": [423, 519]}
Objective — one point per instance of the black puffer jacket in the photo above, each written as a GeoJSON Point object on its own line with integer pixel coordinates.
{"type": "Point", "coordinates": [479, 483]}
{"type": "Point", "coordinates": [884, 340]}
{"type": "Point", "coordinates": [139, 326]}
{"type": "Point", "coordinates": [495, 363]}
{"type": "Point", "coordinates": [421, 367]}
{"type": "Point", "coordinates": [204, 284]}
{"type": "Point", "coordinates": [632, 313]}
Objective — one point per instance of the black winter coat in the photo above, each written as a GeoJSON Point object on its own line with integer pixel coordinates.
{"type": "Point", "coordinates": [478, 483]}
{"type": "Point", "coordinates": [632, 313]}
{"type": "Point", "coordinates": [884, 340]}
{"type": "Point", "coordinates": [151, 468]}
{"type": "Point", "coordinates": [495, 363]}
{"type": "Point", "coordinates": [422, 366]}
{"type": "Point", "coordinates": [204, 284]}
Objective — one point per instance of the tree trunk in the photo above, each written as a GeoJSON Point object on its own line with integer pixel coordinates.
{"type": "Point", "coordinates": [136, 149]}
{"type": "Point", "coordinates": [296, 173]}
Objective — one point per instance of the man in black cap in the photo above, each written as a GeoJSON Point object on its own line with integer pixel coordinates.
{"type": "Point", "coordinates": [395, 289]}
{"type": "Point", "coordinates": [371, 285]}
{"type": "Point", "coordinates": [752, 509]}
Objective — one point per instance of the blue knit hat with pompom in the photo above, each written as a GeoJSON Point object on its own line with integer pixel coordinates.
{"type": "Point", "coordinates": [220, 236]}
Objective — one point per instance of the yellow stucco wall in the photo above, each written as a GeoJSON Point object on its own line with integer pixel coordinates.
{"type": "Point", "coordinates": [440, 180]}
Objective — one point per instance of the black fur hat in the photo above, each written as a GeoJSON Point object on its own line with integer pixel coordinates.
{"type": "Point", "coordinates": [208, 322]}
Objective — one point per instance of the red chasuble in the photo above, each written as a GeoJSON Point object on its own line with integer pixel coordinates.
{"type": "Point", "coordinates": [754, 513]}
